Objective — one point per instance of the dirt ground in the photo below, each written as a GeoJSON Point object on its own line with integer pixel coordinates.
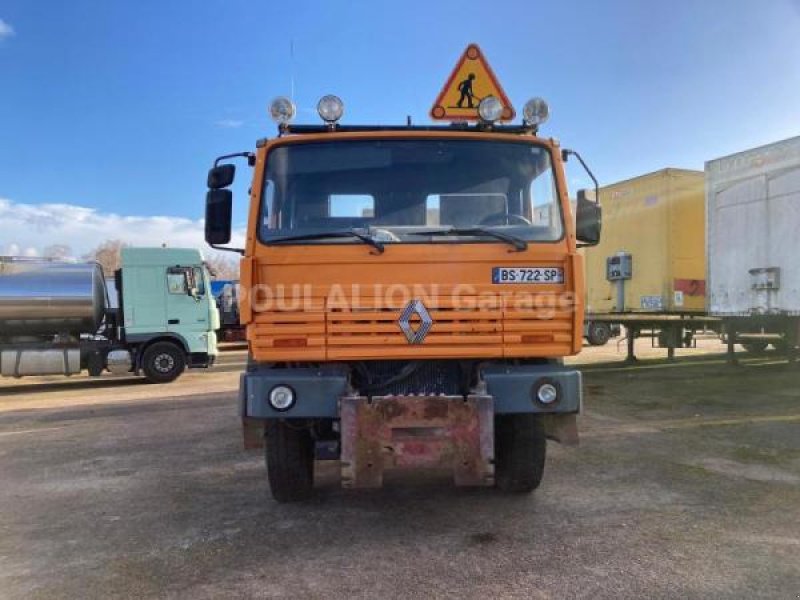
{"type": "Point", "coordinates": [686, 484]}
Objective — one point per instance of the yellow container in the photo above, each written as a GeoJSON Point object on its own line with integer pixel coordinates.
{"type": "Point", "coordinates": [658, 218]}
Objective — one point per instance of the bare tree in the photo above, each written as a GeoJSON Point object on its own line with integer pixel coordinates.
{"type": "Point", "coordinates": [223, 267]}
{"type": "Point", "coordinates": [108, 254]}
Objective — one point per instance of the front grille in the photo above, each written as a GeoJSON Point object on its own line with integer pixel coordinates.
{"type": "Point", "coordinates": [462, 327]}
{"type": "Point", "coordinates": [367, 329]}
{"type": "Point", "coordinates": [403, 378]}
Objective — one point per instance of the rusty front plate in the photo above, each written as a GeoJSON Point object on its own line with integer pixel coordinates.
{"type": "Point", "coordinates": [417, 432]}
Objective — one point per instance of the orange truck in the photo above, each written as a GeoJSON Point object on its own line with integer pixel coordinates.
{"type": "Point", "coordinates": [408, 294]}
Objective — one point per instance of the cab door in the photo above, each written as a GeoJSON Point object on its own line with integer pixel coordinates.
{"type": "Point", "coordinates": [187, 313]}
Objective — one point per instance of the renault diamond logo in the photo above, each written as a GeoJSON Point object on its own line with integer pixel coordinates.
{"type": "Point", "coordinates": [416, 331]}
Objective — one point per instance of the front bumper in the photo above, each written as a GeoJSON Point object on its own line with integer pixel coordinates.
{"type": "Point", "coordinates": [318, 390]}
{"type": "Point", "coordinates": [513, 388]}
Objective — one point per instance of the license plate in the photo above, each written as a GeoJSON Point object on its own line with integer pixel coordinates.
{"type": "Point", "coordinates": [527, 275]}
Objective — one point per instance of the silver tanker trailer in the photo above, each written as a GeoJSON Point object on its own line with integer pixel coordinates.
{"type": "Point", "coordinates": [56, 317]}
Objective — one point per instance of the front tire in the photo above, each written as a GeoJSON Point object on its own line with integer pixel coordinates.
{"type": "Point", "coordinates": [781, 346]}
{"type": "Point", "coordinates": [520, 448]}
{"type": "Point", "coordinates": [163, 362]}
{"type": "Point", "coordinates": [598, 334]}
{"type": "Point", "coordinates": [755, 347]}
{"type": "Point", "coordinates": [289, 452]}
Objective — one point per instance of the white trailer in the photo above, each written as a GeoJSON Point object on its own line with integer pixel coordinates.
{"type": "Point", "coordinates": [753, 239]}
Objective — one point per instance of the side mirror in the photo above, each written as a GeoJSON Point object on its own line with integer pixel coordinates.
{"type": "Point", "coordinates": [588, 220]}
{"type": "Point", "coordinates": [221, 176]}
{"type": "Point", "coordinates": [219, 205]}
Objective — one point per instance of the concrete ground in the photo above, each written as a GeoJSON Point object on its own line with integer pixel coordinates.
{"type": "Point", "coordinates": [687, 484]}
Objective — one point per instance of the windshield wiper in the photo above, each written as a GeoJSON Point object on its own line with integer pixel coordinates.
{"type": "Point", "coordinates": [518, 243]}
{"type": "Point", "coordinates": [342, 233]}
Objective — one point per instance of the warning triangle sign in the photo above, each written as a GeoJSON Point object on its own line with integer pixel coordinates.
{"type": "Point", "coordinates": [469, 83]}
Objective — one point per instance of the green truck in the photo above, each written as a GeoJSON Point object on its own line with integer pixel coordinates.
{"type": "Point", "coordinates": [59, 318]}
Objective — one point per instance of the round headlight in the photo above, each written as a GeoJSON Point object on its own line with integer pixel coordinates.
{"type": "Point", "coordinates": [330, 108]}
{"type": "Point", "coordinates": [490, 109]}
{"type": "Point", "coordinates": [282, 110]}
{"type": "Point", "coordinates": [535, 111]}
{"type": "Point", "coordinates": [281, 397]}
{"type": "Point", "coordinates": [547, 393]}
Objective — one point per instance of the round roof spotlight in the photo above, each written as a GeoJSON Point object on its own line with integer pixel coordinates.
{"type": "Point", "coordinates": [535, 112]}
{"type": "Point", "coordinates": [330, 108]}
{"type": "Point", "coordinates": [282, 110]}
{"type": "Point", "coordinates": [490, 109]}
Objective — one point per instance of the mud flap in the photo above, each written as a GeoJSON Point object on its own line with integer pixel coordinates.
{"type": "Point", "coordinates": [561, 428]}
{"type": "Point", "coordinates": [447, 432]}
{"type": "Point", "coordinates": [252, 433]}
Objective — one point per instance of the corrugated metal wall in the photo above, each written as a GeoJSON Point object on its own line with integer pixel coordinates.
{"type": "Point", "coordinates": [754, 223]}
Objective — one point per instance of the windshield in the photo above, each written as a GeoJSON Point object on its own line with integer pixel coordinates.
{"type": "Point", "coordinates": [396, 190]}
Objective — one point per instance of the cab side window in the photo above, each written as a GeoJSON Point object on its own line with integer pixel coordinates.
{"type": "Point", "coordinates": [180, 280]}
{"type": "Point", "coordinates": [176, 281]}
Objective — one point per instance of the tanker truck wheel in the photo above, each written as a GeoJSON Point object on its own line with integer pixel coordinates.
{"type": "Point", "coordinates": [755, 347]}
{"type": "Point", "coordinates": [782, 345]}
{"type": "Point", "coordinates": [598, 334]}
{"type": "Point", "coordinates": [520, 447]}
{"type": "Point", "coordinates": [289, 452]}
{"type": "Point", "coordinates": [163, 362]}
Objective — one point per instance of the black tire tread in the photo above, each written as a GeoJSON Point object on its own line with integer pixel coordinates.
{"type": "Point", "coordinates": [289, 452]}
{"type": "Point", "coordinates": [151, 374]}
{"type": "Point", "coordinates": [598, 340]}
{"type": "Point", "coordinates": [755, 347]}
{"type": "Point", "coordinates": [520, 451]}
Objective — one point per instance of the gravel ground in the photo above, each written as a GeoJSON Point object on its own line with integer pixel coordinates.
{"type": "Point", "coordinates": [686, 484]}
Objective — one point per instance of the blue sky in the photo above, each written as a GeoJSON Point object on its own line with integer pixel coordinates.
{"type": "Point", "coordinates": [119, 107]}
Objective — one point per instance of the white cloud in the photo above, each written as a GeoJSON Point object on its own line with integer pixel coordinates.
{"type": "Point", "coordinates": [27, 229]}
{"type": "Point", "coordinates": [6, 30]}
{"type": "Point", "coordinates": [229, 123]}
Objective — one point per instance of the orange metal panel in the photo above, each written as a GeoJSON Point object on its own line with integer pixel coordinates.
{"type": "Point", "coordinates": [347, 290]}
{"type": "Point", "coordinates": [578, 276]}
{"type": "Point", "coordinates": [288, 330]}
{"type": "Point", "coordinates": [415, 352]}
{"type": "Point", "coordinates": [400, 339]}
{"type": "Point", "coordinates": [383, 327]}
{"type": "Point", "coordinates": [539, 350]}
{"type": "Point", "coordinates": [537, 326]}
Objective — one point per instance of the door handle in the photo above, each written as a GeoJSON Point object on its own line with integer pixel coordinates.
{"type": "Point", "coordinates": [173, 321]}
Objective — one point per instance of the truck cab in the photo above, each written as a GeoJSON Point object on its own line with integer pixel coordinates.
{"type": "Point", "coordinates": [168, 314]}
{"type": "Point", "coordinates": [408, 295]}
{"type": "Point", "coordinates": [62, 318]}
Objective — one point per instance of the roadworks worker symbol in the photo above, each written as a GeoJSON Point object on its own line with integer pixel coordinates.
{"type": "Point", "coordinates": [471, 81]}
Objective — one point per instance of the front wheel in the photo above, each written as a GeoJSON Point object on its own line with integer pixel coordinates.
{"type": "Point", "coordinates": [598, 334]}
{"type": "Point", "coordinates": [781, 345]}
{"type": "Point", "coordinates": [520, 448]}
{"type": "Point", "coordinates": [755, 347]}
{"type": "Point", "coordinates": [163, 362]}
{"type": "Point", "coordinates": [289, 452]}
